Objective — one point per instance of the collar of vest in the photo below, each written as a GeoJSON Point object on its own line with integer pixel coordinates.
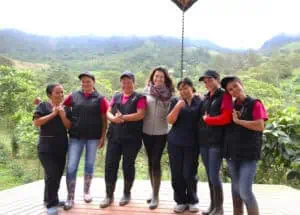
{"type": "Point", "coordinates": [93, 94]}
{"type": "Point", "coordinates": [247, 101]}
{"type": "Point", "coordinates": [218, 92]}
{"type": "Point", "coordinates": [134, 96]}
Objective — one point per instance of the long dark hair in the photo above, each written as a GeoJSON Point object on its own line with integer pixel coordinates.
{"type": "Point", "coordinates": [168, 81]}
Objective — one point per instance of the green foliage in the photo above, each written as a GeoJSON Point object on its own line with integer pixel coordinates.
{"type": "Point", "coordinates": [281, 148]}
{"type": "Point", "coordinates": [272, 71]}
{"type": "Point", "coordinates": [4, 154]}
{"type": "Point", "coordinates": [26, 136]}
{"type": "Point", "coordinates": [17, 91]}
{"type": "Point", "coordinates": [17, 169]}
{"type": "Point", "coordinates": [292, 46]}
{"type": "Point", "coordinates": [268, 93]}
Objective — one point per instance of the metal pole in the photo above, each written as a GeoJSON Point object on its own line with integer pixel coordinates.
{"type": "Point", "coordinates": [182, 45]}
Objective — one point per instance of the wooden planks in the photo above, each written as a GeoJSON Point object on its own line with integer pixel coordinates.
{"type": "Point", "coordinates": [27, 199]}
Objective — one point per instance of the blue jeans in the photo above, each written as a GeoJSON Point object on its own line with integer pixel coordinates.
{"type": "Point", "coordinates": [75, 149]}
{"type": "Point", "coordinates": [242, 177]}
{"type": "Point", "coordinates": [212, 159]}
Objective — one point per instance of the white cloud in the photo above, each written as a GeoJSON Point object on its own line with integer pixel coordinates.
{"type": "Point", "coordinates": [230, 23]}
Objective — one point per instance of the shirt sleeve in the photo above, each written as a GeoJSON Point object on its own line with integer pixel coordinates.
{"type": "Point", "coordinates": [226, 102]}
{"type": "Point", "coordinates": [142, 103]}
{"type": "Point", "coordinates": [39, 112]}
{"type": "Point", "coordinates": [104, 106]}
{"type": "Point", "coordinates": [68, 101]}
{"type": "Point", "coordinates": [226, 113]}
{"type": "Point", "coordinates": [259, 111]}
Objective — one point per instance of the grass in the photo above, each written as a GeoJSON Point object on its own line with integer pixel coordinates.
{"type": "Point", "coordinates": [7, 180]}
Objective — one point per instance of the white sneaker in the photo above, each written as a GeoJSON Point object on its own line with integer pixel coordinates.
{"type": "Point", "coordinates": [52, 211]}
{"type": "Point", "coordinates": [193, 208]}
{"type": "Point", "coordinates": [87, 198]}
{"type": "Point", "coordinates": [180, 208]}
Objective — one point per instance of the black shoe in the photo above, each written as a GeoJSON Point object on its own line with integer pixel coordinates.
{"type": "Point", "coordinates": [59, 204]}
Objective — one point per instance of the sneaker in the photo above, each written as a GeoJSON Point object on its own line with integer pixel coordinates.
{"type": "Point", "coordinates": [180, 208]}
{"type": "Point", "coordinates": [52, 211]}
{"type": "Point", "coordinates": [87, 198]}
{"type": "Point", "coordinates": [68, 204]}
{"type": "Point", "coordinates": [193, 208]}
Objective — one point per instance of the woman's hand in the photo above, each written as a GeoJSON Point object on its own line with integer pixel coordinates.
{"type": "Point", "coordinates": [235, 116]}
{"type": "Point", "coordinates": [118, 118]}
{"type": "Point", "coordinates": [60, 110]}
{"type": "Point", "coordinates": [180, 104]}
{"type": "Point", "coordinates": [55, 110]}
{"type": "Point", "coordinates": [205, 116]}
{"type": "Point", "coordinates": [101, 142]}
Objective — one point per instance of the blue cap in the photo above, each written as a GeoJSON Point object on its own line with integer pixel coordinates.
{"type": "Point", "coordinates": [87, 74]}
{"type": "Point", "coordinates": [127, 74]}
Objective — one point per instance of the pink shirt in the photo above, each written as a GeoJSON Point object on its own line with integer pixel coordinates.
{"type": "Point", "coordinates": [259, 111]}
{"type": "Point", "coordinates": [103, 103]}
{"type": "Point", "coordinates": [141, 104]}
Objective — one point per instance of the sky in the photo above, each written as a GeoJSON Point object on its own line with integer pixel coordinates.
{"type": "Point", "coordinates": [228, 23]}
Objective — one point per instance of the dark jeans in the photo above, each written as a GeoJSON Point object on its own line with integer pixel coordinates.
{"type": "Point", "coordinates": [242, 177]}
{"type": "Point", "coordinates": [154, 145]}
{"type": "Point", "coordinates": [53, 164]}
{"type": "Point", "coordinates": [116, 148]}
{"type": "Point", "coordinates": [212, 159]}
{"type": "Point", "coordinates": [184, 164]}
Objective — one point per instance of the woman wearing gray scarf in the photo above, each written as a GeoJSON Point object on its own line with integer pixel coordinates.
{"type": "Point", "coordinates": [159, 91]}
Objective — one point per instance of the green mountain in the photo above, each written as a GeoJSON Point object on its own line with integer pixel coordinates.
{"type": "Point", "coordinates": [20, 45]}
{"type": "Point", "coordinates": [278, 42]}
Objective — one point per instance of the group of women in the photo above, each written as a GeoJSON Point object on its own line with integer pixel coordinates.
{"type": "Point", "coordinates": [212, 125]}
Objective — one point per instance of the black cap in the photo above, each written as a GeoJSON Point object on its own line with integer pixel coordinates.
{"type": "Point", "coordinates": [128, 74]}
{"type": "Point", "coordinates": [210, 74]}
{"type": "Point", "coordinates": [87, 74]}
{"type": "Point", "coordinates": [229, 79]}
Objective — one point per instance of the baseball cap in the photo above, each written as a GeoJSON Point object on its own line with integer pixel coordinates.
{"type": "Point", "coordinates": [127, 74]}
{"type": "Point", "coordinates": [210, 74]}
{"type": "Point", "coordinates": [87, 74]}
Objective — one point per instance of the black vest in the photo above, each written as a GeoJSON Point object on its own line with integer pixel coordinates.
{"type": "Point", "coordinates": [126, 129]}
{"type": "Point", "coordinates": [212, 135]}
{"type": "Point", "coordinates": [86, 116]}
{"type": "Point", "coordinates": [242, 143]}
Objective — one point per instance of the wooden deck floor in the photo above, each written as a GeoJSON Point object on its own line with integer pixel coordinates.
{"type": "Point", "coordinates": [27, 199]}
